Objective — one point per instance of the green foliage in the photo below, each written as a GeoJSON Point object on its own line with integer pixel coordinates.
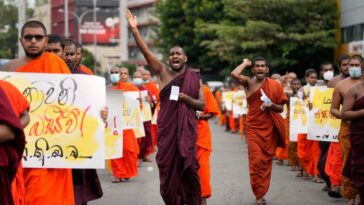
{"type": "Point", "coordinates": [292, 34]}
{"type": "Point", "coordinates": [88, 60]}
{"type": "Point", "coordinates": [8, 30]}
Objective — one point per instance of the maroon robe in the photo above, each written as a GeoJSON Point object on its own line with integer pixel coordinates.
{"type": "Point", "coordinates": [146, 142]}
{"type": "Point", "coordinates": [86, 183]}
{"type": "Point", "coordinates": [11, 152]}
{"type": "Point", "coordinates": [176, 142]}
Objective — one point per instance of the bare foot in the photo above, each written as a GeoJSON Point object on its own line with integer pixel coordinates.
{"type": "Point", "coordinates": [146, 159]}
{"type": "Point", "coordinates": [204, 201]}
{"type": "Point", "coordinates": [261, 201]}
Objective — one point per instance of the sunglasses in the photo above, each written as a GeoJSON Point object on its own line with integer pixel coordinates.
{"type": "Point", "coordinates": [37, 38]}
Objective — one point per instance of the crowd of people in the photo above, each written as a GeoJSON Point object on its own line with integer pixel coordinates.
{"type": "Point", "coordinates": [181, 137]}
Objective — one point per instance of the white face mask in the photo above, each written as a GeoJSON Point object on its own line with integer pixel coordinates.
{"type": "Point", "coordinates": [137, 81]}
{"type": "Point", "coordinates": [115, 78]}
{"type": "Point", "coordinates": [355, 72]}
{"type": "Point", "coordinates": [328, 75]}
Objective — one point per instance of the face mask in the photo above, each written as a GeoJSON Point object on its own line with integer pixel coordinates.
{"type": "Point", "coordinates": [115, 78]}
{"type": "Point", "coordinates": [355, 72]}
{"type": "Point", "coordinates": [137, 81]}
{"type": "Point", "coordinates": [328, 75]}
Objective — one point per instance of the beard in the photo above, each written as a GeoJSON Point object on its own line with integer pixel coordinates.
{"type": "Point", "coordinates": [33, 55]}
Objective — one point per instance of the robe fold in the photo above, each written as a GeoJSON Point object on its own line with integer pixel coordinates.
{"type": "Point", "coordinates": [265, 130]}
{"type": "Point", "coordinates": [221, 116]}
{"type": "Point", "coordinates": [11, 152]}
{"type": "Point", "coordinates": [292, 154]}
{"type": "Point", "coordinates": [127, 166]}
{"type": "Point", "coordinates": [86, 70]}
{"type": "Point", "coordinates": [47, 186]}
{"type": "Point", "coordinates": [152, 87]}
{"type": "Point", "coordinates": [19, 105]}
{"type": "Point", "coordinates": [176, 142]}
{"type": "Point", "coordinates": [334, 164]}
{"type": "Point", "coordinates": [348, 191]}
{"type": "Point", "coordinates": [204, 143]}
{"type": "Point", "coordinates": [308, 152]}
{"type": "Point", "coordinates": [356, 160]}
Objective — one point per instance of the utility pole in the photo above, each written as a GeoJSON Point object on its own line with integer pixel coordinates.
{"type": "Point", "coordinates": [123, 41]}
{"type": "Point", "coordinates": [21, 22]}
{"type": "Point", "coordinates": [66, 21]}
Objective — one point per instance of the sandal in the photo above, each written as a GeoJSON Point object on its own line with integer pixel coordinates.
{"type": "Point", "coordinates": [300, 173]}
{"type": "Point", "coordinates": [318, 180]}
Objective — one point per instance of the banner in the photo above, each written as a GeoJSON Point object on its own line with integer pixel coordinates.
{"type": "Point", "coordinates": [322, 125]}
{"type": "Point", "coordinates": [132, 114]}
{"type": "Point", "coordinates": [65, 130]}
{"type": "Point", "coordinates": [227, 100]}
{"type": "Point", "coordinates": [146, 108]}
{"type": "Point", "coordinates": [113, 127]}
{"type": "Point", "coordinates": [239, 103]}
{"type": "Point", "coordinates": [298, 118]}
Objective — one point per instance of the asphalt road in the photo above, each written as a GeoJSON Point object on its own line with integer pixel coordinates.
{"type": "Point", "coordinates": [229, 178]}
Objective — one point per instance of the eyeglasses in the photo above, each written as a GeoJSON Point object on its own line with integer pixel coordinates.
{"type": "Point", "coordinates": [29, 38]}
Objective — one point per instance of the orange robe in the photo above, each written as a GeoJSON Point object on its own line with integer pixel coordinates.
{"type": "Point", "coordinates": [127, 166]}
{"type": "Point", "coordinates": [47, 186]}
{"type": "Point", "coordinates": [265, 130]}
{"type": "Point", "coordinates": [218, 97]}
{"type": "Point", "coordinates": [19, 105]}
{"type": "Point", "coordinates": [242, 125]}
{"type": "Point", "coordinates": [348, 191]}
{"type": "Point", "coordinates": [204, 143]}
{"type": "Point", "coordinates": [334, 163]}
{"type": "Point", "coordinates": [152, 87]}
{"type": "Point", "coordinates": [282, 153]}
{"type": "Point", "coordinates": [308, 152]}
{"type": "Point", "coordinates": [86, 70]}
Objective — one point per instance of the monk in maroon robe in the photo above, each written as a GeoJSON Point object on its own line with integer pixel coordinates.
{"type": "Point", "coordinates": [12, 143]}
{"type": "Point", "coordinates": [177, 132]}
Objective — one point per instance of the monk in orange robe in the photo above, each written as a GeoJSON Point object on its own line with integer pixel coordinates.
{"type": "Point", "coordinates": [218, 98]}
{"type": "Point", "coordinates": [20, 107]}
{"type": "Point", "coordinates": [42, 186]}
{"type": "Point", "coordinates": [12, 141]}
{"type": "Point", "coordinates": [126, 167]}
{"type": "Point", "coordinates": [265, 127]}
{"type": "Point", "coordinates": [152, 87]}
{"type": "Point", "coordinates": [338, 152]}
{"type": "Point", "coordinates": [204, 143]}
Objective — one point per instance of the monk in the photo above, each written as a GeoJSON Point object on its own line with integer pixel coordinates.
{"type": "Point", "coordinates": [334, 160]}
{"type": "Point", "coordinates": [12, 143]}
{"type": "Point", "coordinates": [126, 167]}
{"type": "Point", "coordinates": [181, 94]}
{"type": "Point", "coordinates": [86, 183]}
{"type": "Point", "coordinates": [55, 45]}
{"type": "Point", "coordinates": [152, 87]}
{"type": "Point", "coordinates": [293, 160]}
{"type": "Point", "coordinates": [341, 153]}
{"type": "Point", "coordinates": [145, 142]}
{"type": "Point", "coordinates": [265, 127]}
{"type": "Point", "coordinates": [218, 97]}
{"type": "Point", "coordinates": [353, 111]}
{"type": "Point", "coordinates": [21, 109]}
{"type": "Point", "coordinates": [204, 143]}
{"type": "Point", "coordinates": [79, 56]}
{"type": "Point", "coordinates": [42, 186]}
{"type": "Point", "coordinates": [308, 151]}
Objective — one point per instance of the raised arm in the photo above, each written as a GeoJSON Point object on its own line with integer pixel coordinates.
{"type": "Point", "coordinates": [236, 73]}
{"type": "Point", "coordinates": [156, 66]}
{"type": "Point", "coordinates": [347, 112]}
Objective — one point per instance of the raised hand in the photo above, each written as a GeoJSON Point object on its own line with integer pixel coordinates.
{"type": "Point", "coordinates": [132, 21]}
{"type": "Point", "coordinates": [247, 62]}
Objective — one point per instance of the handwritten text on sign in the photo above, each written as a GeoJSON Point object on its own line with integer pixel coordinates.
{"type": "Point", "coordinates": [322, 125]}
{"type": "Point", "coordinates": [65, 130]}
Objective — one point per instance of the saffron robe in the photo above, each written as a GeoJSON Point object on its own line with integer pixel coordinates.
{"type": "Point", "coordinates": [176, 142]}
{"type": "Point", "coordinates": [11, 152]}
{"type": "Point", "coordinates": [282, 153]}
{"type": "Point", "coordinates": [308, 152]}
{"type": "Point", "coordinates": [265, 130]}
{"type": "Point", "coordinates": [19, 105]}
{"type": "Point", "coordinates": [47, 186]}
{"type": "Point", "coordinates": [334, 164]}
{"type": "Point", "coordinates": [152, 87]}
{"type": "Point", "coordinates": [127, 166]}
{"type": "Point", "coordinates": [204, 143]}
{"type": "Point", "coordinates": [86, 70]}
{"type": "Point", "coordinates": [348, 191]}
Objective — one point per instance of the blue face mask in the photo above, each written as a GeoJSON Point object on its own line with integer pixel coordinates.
{"type": "Point", "coordinates": [355, 72]}
{"type": "Point", "coordinates": [137, 81]}
{"type": "Point", "coordinates": [115, 77]}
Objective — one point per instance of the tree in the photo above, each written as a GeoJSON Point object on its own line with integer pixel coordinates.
{"type": "Point", "coordinates": [292, 34]}
{"type": "Point", "coordinates": [179, 20]}
{"type": "Point", "coordinates": [8, 29]}
{"type": "Point", "coordinates": [88, 60]}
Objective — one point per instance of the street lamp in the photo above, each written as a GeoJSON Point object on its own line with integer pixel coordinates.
{"type": "Point", "coordinates": [79, 19]}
